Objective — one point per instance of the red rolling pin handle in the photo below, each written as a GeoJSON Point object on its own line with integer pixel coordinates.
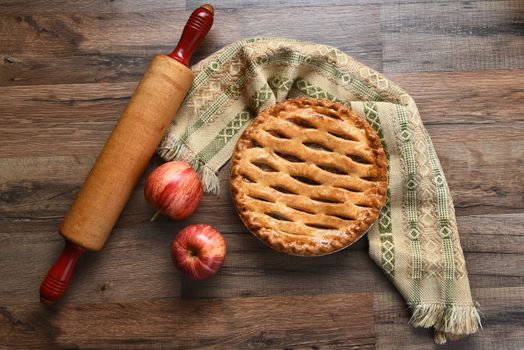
{"type": "Point", "coordinates": [58, 277]}
{"type": "Point", "coordinates": [194, 32]}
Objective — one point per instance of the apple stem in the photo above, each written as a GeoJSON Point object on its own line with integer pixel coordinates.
{"type": "Point", "coordinates": [153, 218]}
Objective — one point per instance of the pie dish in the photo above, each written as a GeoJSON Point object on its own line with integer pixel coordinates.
{"type": "Point", "coordinates": [308, 176]}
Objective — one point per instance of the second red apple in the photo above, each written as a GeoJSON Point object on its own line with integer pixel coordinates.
{"type": "Point", "coordinates": [198, 251]}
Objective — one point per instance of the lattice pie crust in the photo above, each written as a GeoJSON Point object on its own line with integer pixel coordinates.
{"type": "Point", "coordinates": [308, 176]}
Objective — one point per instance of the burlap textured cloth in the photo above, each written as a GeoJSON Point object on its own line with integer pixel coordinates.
{"type": "Point", "coordinates": [416, 241]}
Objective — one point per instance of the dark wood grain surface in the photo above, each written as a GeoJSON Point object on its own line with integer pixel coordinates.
{"type": "Point", "coordinates": [67, 69]}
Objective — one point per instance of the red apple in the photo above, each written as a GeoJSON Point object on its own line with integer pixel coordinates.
{"type": "Point", "coordinates": [174, 189]}
{"type": "Point", "coordinates": [198, 251]}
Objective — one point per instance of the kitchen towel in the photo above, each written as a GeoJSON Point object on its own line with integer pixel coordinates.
{"type": "Point", "coordinates": [415, 241]}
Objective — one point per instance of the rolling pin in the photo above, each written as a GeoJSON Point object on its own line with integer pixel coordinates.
{"type": "Point", "coordinates": [126, 154]}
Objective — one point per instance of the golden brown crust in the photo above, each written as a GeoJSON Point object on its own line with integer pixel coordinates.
{"type": "Point", "coordinates": [308, 176]}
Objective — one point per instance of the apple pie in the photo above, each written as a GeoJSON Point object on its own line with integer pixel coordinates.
{"type": "Point", "coordinates": [309, 176]}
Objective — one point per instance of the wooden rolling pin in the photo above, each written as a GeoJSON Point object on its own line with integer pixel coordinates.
{"type": "Point", "coordinates": [126, 154]}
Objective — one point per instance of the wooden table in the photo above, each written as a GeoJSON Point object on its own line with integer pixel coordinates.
{"type": "Point", "coordinates": [67, 69]}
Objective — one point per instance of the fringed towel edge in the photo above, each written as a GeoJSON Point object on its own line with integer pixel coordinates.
{"type": "Point", "coordinates": [180, 151]}
{"type": "Point", "coordinates": [449, 321]}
